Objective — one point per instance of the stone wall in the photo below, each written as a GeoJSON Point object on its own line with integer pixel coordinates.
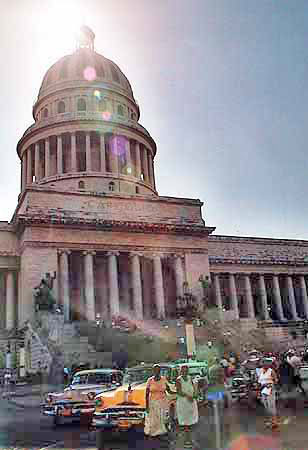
{"type": "Point", "coordinates": [8, 240]}
{"type": "Point", "coordinates": [112, 207]}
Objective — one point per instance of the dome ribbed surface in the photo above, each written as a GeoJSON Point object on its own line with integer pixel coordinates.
{"type": "Point", "coordinates": [85, 66]}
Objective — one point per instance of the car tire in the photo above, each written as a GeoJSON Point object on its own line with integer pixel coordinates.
{"type": "Point", "coordinates": [102, 436]}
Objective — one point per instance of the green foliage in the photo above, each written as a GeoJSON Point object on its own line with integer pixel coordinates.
{"type": "Point", "coordinates": [2, 360]}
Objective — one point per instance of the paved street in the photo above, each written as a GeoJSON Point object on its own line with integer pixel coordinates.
{"type": "Point", "coordinates": [26, 428]}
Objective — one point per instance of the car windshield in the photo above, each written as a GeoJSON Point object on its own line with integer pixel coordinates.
{"type": "Point", "coordinates": [140, 376]}
{"type": "Point", "coordinates": [80, 379]}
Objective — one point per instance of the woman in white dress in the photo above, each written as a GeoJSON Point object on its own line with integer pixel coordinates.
{"type": "Point", "coordinates": [186, 403]}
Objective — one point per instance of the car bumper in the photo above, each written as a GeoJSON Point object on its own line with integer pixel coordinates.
{"type": "Point", "coordinates": [74, 412]}
{"type": "Point", "coordinates": [120, 424]}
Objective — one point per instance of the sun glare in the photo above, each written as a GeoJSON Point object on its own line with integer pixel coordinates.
{"type": "Point", "coordinates": [61, 21]}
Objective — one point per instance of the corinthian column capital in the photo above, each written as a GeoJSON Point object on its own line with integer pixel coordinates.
{"type": "Point", "coordinates": [113, 253]}
{"type": "Point", "coordinates": [132, 254]}
{"type": "Point", "coordinates": [89, 252]}
{"type": "Point", "coordinates": [62, 251]}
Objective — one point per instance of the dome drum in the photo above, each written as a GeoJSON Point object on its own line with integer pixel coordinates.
{"type": "Point", "coordinates": [83, 154]}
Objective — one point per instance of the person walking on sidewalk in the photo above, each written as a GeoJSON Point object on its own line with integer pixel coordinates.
{"type": "Point", "coordinates": [267, 378]}
{"type": "Point", "coordinates": [186, 403]}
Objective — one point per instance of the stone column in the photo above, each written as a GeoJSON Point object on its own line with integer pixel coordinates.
{"type": "Point", "coordinates": [89, 285]}
{"type": "Point", "coordinates": [102, 153]}
{"type": "Point", "coordinates": [128, 157]}
{"type": "Point", "coordinates": [233, 295]}
{"type": "Point", "coordinates": [73, 153]}
{"type": "Point", "coordinates": [159, 287]}
{"type": "Point", "coordinates": [59, 155]}
{"type": "Point", "coordinates": [138, 160]}
{"type": "Point", "coordinates": [292, 297]}
{"type": "Point", "coordinates": [88, 152]}
{"type": "Point", "coordinates": [64, 280]}
{"type": "Point", "coordinates": [263, 296]}
{"type": "Point", "coordinates": [304, 294]}
{"type": "Point", "coordinates": [29, 165]}
{"type": "Point", "coordinates": [218, 294]}
{"type": "Point", "coordinates": [136, 285]}
{"type": "Point", "coordinates": [113, 155]}
{"type": "Point", "coordinates": [114, 303]}
{"type": "Point", "coordinates": [37, 162]}
{"type": "Point", "coordinates": [145, 165]}
{"type": "Point", "coordinates": [24, 171]}
{"type": "Point", "coordinates": [153, 172]}
{"type": "Point", "coordinates": [248, 296]}
{"type": "Point", "coordinates": [277, 297]}
{"type": "Point", "coordinates": [47, 157]}
{"type": "Point", "coordinates": [179, 275]}
{"type": "Point", "coordinates": [10, 301]}
{"type": "Point", "coordinates": [150, 168]}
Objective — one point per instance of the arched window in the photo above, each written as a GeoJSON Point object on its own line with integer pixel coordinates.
{"type": "Point", "coordinates": [81, 105]}
{"type": "Point", "coordinates": [111, 186]}
{"type": "Point", "coordinates": [115, 74]}
{"type": "Point", "coordinates": [81, 185]}
{"type": "Point", "coordinates": [133, 116]}
{"type": "Point", "coordinates": [61, 107]}
{"type": "Point", "coordinates": [102, 105]}
{"type": "Point", "coordinates": [137, 190]}
{"type": "Point", "coordinates": [45, 113]}
{"type": "Point", "coordinates": [120, 110]}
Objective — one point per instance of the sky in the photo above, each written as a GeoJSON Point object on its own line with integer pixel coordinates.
{"type": "Point", "coordinates": [222, 87]}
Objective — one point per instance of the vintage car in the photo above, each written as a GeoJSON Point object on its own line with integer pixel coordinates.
{"type": "Point", "coordinates": [124, 408]}
{"type": "Point", "coordinates": [77, 401]}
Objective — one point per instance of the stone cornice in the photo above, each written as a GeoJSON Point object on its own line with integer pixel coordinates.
{"type": "Point", "coordinates": [258, 261]}
{"type": "Point", "coordinates": [257, 240]}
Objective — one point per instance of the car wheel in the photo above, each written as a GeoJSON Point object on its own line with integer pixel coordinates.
{"type": "Point", "coordinates": [103, 436]}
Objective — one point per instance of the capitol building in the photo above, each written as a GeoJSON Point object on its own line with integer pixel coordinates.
{"type": "Point", "coordinates": [90, 215]}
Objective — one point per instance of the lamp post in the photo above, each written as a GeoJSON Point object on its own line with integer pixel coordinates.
{"type": "Point", "coordinates": [187, 310]}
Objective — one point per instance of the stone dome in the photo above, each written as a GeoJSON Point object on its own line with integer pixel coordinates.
{"type": "Point", "coordinates": [85, 67]}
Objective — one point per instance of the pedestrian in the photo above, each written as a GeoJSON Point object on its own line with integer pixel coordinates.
{"type": "Point", "coordinates": [287, 382]}
{"type": "Point", "coordinates": [295, 361]}
{"type": "Point", "coordinates": [267, 379]}
{"type": "Point", "coordinates": [186, 403]}
{"type": "Point", "coordinates": [156, 404]}
{"type": "Point", "coordinates": [7, 380]}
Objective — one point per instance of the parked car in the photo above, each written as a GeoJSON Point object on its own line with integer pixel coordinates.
{"type": "Point", "coordinates": [77, 400]}
{"type": "Point", "coordinates": [124, 408]}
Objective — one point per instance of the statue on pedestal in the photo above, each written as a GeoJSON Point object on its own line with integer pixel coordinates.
{"type": "Point", "coordinates": [43, 296]}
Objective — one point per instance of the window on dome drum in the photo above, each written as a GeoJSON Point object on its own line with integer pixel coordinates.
{"type": "Point", "coordinates": [111, 186]}
{"type": "Point", "coordinates": [81, 105]}
{"type": "Point", "coordinates": [102, 105]}
{"type": "Point", "coordinates": [81, 185]}
{"type": "Point", "coordinates": [133, 116]}
{"type": "Point", "coordinates": [137, 190]}
{"type": "Point", "coordinates": [120, 110]}
{"type": "Point", "coordinates": [61, 107]}
{"type": "Point", "coordinates": [45, 112]}
{"type": "Point", "coordinates": [115, 75]}
{"type": "Point", "coordinates": [142, 176]}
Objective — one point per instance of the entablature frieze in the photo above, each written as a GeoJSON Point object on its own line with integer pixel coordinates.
{"type": "Point", "coordinates": [141, 250]}
{"type": "Point", "coordinates": [9, 262]}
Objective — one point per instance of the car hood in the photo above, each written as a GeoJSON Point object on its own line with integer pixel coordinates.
{"type": "Point", "coordinates": [79, 393]}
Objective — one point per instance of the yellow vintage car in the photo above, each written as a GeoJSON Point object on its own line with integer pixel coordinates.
{"type": "Point", "coordinates": [77, 401]}
{"type": "Point", "coordinates": [124, 408]}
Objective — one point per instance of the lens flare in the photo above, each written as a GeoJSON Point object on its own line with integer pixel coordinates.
{"type": "Point", "coordinates": [106, 115]}
{"type": "Point", "coordinates": [97, 94]}
{"type": "Point", "coordinates": [89, 73]}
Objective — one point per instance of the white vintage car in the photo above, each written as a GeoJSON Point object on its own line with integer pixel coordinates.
{"type": "Point", "coordinates": [77, 400]}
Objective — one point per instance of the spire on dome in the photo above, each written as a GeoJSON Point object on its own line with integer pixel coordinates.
{"type": "Point", "coordinates": [85, 38]}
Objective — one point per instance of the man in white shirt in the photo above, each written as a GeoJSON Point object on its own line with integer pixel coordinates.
{"type": "Point", "coordinates": [267, 379]}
